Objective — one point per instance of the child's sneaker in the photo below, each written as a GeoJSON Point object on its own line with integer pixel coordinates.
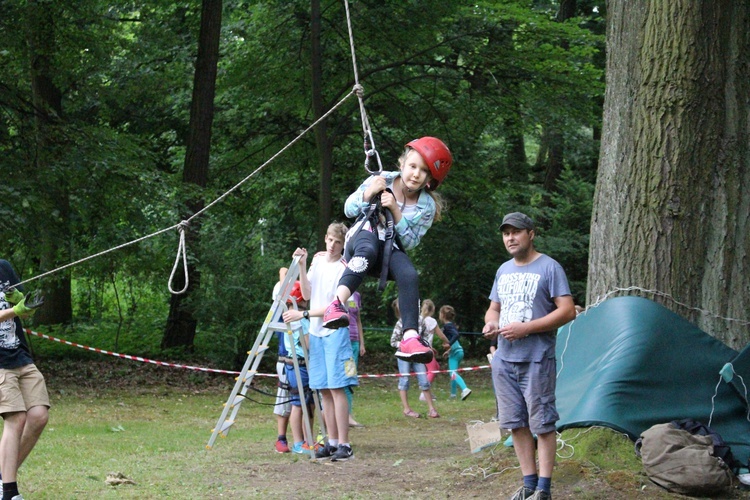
{"type": "Point", "coordinates": [343, 453]}
{"type": "Point", "coordinates": [312, 450]}
{"type": "Point", "coordinates": [300, 448]}
{"type": "Point", "coordinates": [335, 316]}
{"type": "Point", "coordinates": [326, 451]}
{"type": "Point", "coordinates": [282, 446]}
{"type": "Point", "coordinates": [465, 393]}
{"type": "Point", "coordinates": [414, 351]}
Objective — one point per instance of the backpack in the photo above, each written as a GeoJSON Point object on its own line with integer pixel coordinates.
{"type": "Point", "coordinates": [683, 457]}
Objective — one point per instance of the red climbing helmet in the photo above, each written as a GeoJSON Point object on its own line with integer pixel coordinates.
{"type": "Point", "coordinates": [437, 156]}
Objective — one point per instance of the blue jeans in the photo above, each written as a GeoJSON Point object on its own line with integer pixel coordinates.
{"type": "Point", "coordinates": [404, 368]}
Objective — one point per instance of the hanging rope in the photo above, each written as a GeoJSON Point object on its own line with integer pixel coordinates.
{"type": "Point", "coordinates": [180, 252]}
{"type": "Point", "coordinates": [369, 142]}
{"type": "Point", "coordinates": [182, 226]}
{"type": "Point", "coordinates": [66, 266]}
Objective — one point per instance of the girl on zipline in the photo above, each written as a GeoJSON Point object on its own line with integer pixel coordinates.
{"type": "Point", "coordinates": [409, 196]}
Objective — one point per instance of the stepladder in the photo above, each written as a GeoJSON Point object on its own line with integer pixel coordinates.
{"type": "Point", "coordinates": [272, 324]}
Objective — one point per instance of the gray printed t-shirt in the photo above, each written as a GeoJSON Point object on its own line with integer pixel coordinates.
{"type": "Point", "coordinates": [525, 293]}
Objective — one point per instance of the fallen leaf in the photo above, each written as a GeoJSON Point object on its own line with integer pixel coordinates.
{"type": "Point", "coordinates": [115, 478]}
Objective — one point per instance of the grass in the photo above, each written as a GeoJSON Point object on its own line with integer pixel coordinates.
{"type": "Point", "coordinates": [152, 424]}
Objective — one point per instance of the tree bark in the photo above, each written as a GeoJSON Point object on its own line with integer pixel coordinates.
{"type": "Point", "coordinates": [322, 140]}
{"type": "Point", "coordinates": [53, 230]}
{"type": "Point", "coordinates": [181, 323]}
{"type": "Point", "coordinates": [669, 211]}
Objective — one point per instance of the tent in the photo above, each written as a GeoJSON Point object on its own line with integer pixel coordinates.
{"type": "Point", "coordinates": [630, 363]}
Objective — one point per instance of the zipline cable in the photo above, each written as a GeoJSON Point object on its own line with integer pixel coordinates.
{"type": "Point", "coordinates": [182, 226]}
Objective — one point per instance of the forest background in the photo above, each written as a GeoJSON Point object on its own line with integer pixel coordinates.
{"type": "Point", "coordinates": [123, 118]}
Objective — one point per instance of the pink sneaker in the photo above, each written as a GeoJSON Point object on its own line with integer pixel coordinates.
{"type": "Point", "coordinates": [414, 351]}
{"type": "Point", "coordinates": [335, 316]}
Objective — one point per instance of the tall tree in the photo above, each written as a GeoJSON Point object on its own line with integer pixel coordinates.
{"type": "Point", "coordinates": [322, 140]}
{"type": "Point", "coordinates": [52, 179]}
{"type": "Point", "coordinates": [181, 323]}
{"type": "Point", "coordinates": [670, 209]}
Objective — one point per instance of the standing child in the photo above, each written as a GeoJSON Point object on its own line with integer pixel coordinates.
{"type": "Point", "coordinates": [357, 337]}
{"type": "Point", "coordinates": [295, 342]}
{"type": "Point", "coordinates": [330, 361]}
{"type": "Point", "coordinates": [24, 404]}
{"type": "Point", "coordinates": [455, 352]}
{"type": "Point", "coordinates": [407, 367]}
{"type": "Point", "coordinates": [432, 329]}
{"type": "Point", "coordinates": [408, 195]}
{"type": "Point", "coordinates": [282, 408]}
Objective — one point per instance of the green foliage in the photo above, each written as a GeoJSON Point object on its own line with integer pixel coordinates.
{"type": "Point", "coordinates": [486, 77]}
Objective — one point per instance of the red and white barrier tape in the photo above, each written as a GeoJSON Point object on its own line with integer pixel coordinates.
{"type": "Point", "coordinates": [213, 370]}
{"type": "Point", "coordinates": [133, 358]}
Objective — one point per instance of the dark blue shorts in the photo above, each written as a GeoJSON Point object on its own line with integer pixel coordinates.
{"type": "Point", "coordinates": [525, 393]}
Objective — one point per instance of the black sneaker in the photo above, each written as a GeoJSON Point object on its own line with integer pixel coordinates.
{"type": "Point", "coordinates": [541, 495]}
{"type": "Point", "coordinates": [522, 493]}
{"type": "Point", "coordinates": [343, 453]}
{"type": "Point", "coordinates": [326, 451]}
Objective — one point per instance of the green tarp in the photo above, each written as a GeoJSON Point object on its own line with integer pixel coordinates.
{"type": "Point", "coordinates": [630, 363]}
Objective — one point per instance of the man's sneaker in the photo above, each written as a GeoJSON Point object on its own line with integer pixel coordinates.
{"type": "Point", "coordinates": [523, 493]}
{"type": "Point", "coordinates": [335, 316]}
{"type": "Point", "coordinates": [343, 453]}
{"type": "Point", "coordinates": [414, 351]}
{"type": "Point", "coordinates": [541, 495]}
{"type": "Point", "coordinates": [282, 446]}
{"type": "Point", "coordinates": [465, 393]}
{"type": "Point", "coordinates": [326, 451]}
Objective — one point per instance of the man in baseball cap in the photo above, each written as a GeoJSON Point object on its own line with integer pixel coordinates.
{"type": "Point", "coordinates": [530, 299]}
{"type": "Point", "coordinates": [517, 220]}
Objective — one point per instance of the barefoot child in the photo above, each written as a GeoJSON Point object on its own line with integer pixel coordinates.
{"type": "Point", "coordinates": [407, 367]}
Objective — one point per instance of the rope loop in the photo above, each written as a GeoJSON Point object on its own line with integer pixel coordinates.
{"type": "Point", "coordinates": [182, 227]}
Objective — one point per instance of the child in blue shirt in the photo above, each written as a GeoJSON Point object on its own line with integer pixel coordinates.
{"type": "Point", "coordinates": [293, 343]}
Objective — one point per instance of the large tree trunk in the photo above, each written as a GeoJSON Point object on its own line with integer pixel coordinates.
{"type": "Point", "coordinates": [322, 141]}
{"type": "Point", "coordinates": [181, 323]}
{"type": "Point", "coordinates": [53, 230]}
{"type": "Point", "coordinates": [671, 211]}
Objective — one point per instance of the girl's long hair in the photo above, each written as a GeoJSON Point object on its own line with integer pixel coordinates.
{"type": "Point", "coordinates": [436, 197]}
